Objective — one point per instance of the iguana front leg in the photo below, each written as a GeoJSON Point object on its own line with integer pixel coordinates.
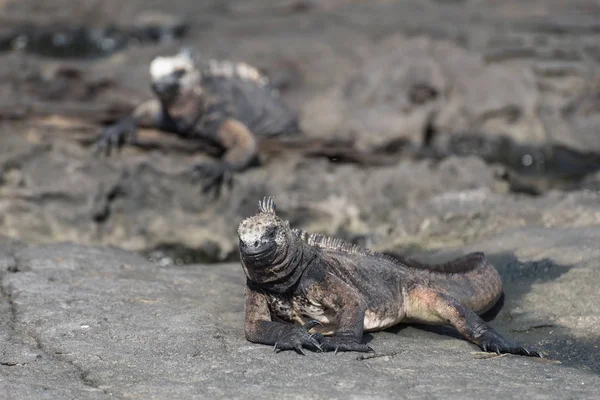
{"type": "Point", "coordinates": [259, 328]}
{"type": "Point", "coordinates": [430, 306]}
{"type": "Point", "coordinates": [240, 150]}
{"type": "Point", "coordinates": [124, 131]}
{"type": "Point", "coordinates": [349, 309]}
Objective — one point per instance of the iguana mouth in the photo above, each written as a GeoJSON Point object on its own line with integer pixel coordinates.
{"type": "Point", "coordinates": [256, 251]}
{"type": "Point", "coordinates": [166, 88]}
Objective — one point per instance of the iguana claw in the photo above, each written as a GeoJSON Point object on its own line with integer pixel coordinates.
{"type": "Point", "coordinates": [311, 324]}
{"type": "Point", "coordinates": [214, 175]}
{"type": "Point", "coordinates": [299, 338]}
{"type": "Point", "coordinates": [340, 343]}
{"type": "Point", "coordinates": [116, 135]}
{"type": "Point", "coordinates": [494, 343]}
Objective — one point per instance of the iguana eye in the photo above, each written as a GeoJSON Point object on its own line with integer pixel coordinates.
{"type": "Point", "coordinates": [178, 73]}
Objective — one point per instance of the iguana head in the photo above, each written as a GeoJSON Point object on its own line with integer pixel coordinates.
{"type": "Point", "coordinates": [269, 248]}
{"type": "Point", "coordinates": [174, 76]}
{"type": "Point", "coordinates": [263, 233]}
{"type": "Point", "coordinates": [272, 254]}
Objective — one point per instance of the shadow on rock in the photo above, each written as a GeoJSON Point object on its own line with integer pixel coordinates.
{"type": "Point", "coordinates": [530, 169]}
{"type": "Point", "coordinates": [555, 341]}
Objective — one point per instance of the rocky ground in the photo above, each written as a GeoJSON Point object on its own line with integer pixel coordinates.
{"type": "Point", "coordinates": [89, 322]}
{"type": "Point", "coordinates": [119, 276]}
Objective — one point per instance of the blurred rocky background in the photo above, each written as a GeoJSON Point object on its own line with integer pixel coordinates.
{"type": "Point", "coordinates": [480, 121]}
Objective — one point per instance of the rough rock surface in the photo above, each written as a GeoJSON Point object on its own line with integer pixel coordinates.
{"type": "Point", "coordinates": [85, 322]}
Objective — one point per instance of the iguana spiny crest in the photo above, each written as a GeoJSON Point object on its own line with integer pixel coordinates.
{"type": "Point", "coordinates": [184, 72]}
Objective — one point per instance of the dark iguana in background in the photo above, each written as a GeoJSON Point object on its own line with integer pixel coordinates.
{"type": "Point", "coordinates": [340, 289]}
{"type": "Point", "coordinates": [223, 103]}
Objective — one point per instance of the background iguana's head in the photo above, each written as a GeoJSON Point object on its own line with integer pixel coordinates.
{"type": "Point", "coordinates": [174, 76]}
{"type": "Point", "coordinates": [264, 233]}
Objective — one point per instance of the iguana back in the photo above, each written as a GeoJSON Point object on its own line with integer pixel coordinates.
{"type": "Point", "coordinates": [249, 96]}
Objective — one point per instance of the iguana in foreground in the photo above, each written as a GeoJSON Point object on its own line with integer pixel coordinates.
{"type": "Point", "coordinates": [223, 103]}
{"type": "Point", "coordinates": [338, 288]}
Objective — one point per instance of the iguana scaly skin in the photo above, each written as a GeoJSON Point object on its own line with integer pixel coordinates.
{"type": "Point", "coordinates": [227, 104]}
{"type": "Point", "coordinates": [342, 290]}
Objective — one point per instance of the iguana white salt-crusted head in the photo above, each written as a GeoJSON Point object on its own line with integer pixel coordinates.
{"type": "Point", "coordinates": [184, 69]}
{"type": "Point", "coordinates": [264, 231]}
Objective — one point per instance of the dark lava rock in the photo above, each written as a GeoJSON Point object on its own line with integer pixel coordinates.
{"type": "Point", "coordinates": [82, 41]}
{"type": "Point", "coordinates": [146, 201]}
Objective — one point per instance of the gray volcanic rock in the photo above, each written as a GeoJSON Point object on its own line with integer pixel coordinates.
{"type": "Point", "coordinates": [418, 86]}
{"type": "Point", "coordinates": [93, 323]}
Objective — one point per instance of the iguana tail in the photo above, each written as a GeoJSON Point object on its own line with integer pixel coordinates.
{"type": "Point", "coordinates": [471, 279]}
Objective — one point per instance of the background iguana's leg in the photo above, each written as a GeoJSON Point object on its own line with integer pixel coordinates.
{"type": "Point", "coordinates": [259, 328]}
{"type": "Point", "coordinates": [147, 115]}
{"type": "Point", "coordinates": [239, 143]}
{"type": "Point", "coordinates": [349, 309]}
{"type": "Point", "coordinates": [240, 150]}
{"type": "Point", "coordinates": [429, 306]}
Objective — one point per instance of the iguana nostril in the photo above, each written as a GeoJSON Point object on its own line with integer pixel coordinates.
{"type": "Point", "coordinates": [256, 244]}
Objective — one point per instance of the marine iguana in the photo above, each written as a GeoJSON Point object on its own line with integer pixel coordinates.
{"type": "Point", "coordinates": [342, 290]}
{"type": "Point", "coordinates": [223, 103]}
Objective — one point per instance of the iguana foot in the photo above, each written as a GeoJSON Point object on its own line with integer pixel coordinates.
{"type": "Point", "coordinates": [116, 135]}
{"type": "Point", "coordinates": [299, 338]}
{"type": "Point", "coordinates": [214, 175]}
{"type": "Point", "coordinates": [341, 343]}
{"type": "Point", "coordinates": [494, 343]}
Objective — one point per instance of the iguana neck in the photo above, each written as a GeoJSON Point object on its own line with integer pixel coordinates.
{"type": "Point", "coordinates": [188, 106]}
{"type": "Point", "coordinates": [280, 271]}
